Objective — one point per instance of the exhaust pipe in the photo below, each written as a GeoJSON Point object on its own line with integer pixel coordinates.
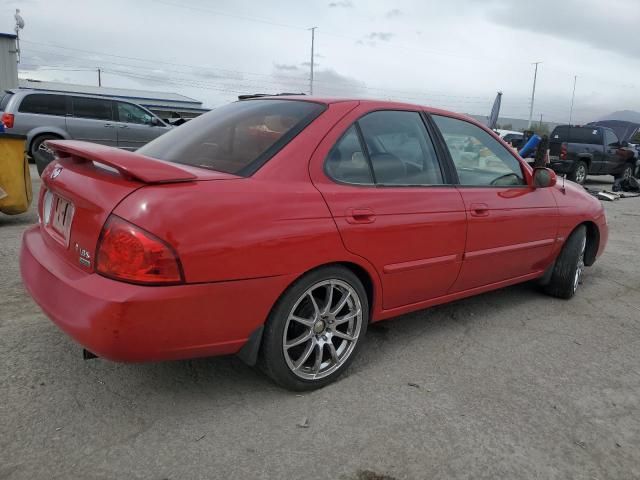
{"type": "Point", "coordinates": [87, 355]}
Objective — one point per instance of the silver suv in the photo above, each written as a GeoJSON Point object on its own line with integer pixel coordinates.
{"type": "Point", "coordinates": [44, 116]}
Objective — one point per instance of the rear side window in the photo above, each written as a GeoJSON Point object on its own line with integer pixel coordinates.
{"type": "Point", "coordinates": [588, 135]}
{"type": "Point", "coordinates": [44, 104]}
{"type": "Point", "coordinates": [94, 108]}
{"type": "Point", "coordinates": [4, 101]}
{"type": "Point", "coordinates": [237, 138]}
{"type": "Point", "coordinates": [347, 161]}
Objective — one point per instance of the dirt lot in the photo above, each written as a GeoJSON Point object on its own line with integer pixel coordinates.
{"type": "Point", "coordinates": [510, 384]}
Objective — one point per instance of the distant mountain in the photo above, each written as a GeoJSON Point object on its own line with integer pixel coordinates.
{"type": "Point", "coordinates": [626, 115]}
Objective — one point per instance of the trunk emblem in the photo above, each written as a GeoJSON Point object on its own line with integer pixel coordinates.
{"type": "Point", "coordinates": [56, 172]}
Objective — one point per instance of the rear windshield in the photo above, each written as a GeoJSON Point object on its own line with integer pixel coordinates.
{"type": "Point", "coordinates": [589, 135]}
{"type": "Point", "coordinates": [4, 100]}
{"type": "Point", "coordinates": [237, 138]}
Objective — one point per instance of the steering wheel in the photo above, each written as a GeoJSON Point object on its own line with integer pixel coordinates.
{"type": "Point", "coordinates": [497, 181]}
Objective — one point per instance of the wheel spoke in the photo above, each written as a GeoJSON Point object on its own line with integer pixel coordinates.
{"type": "Point", "coordinates": [307, 322]}
{"type": "Point", "coordinates": [347, 317]}
{"type": "Point", "coordinates": [299, 340]}
{"type": "Point", "coordinates": [345, 336]}
{"type": "Point", "coordinates": [333, 353]}
{"type": "Point", "coordinates": [327, 307]}
{"type": "Point", "coordinates": [342, 303]}
{"type": "Point", "coordinates": [316, 309]}
{"type": "Point", "coordinates": [305, 355]}
{"type": "Point", "coordinates": [318, 361]}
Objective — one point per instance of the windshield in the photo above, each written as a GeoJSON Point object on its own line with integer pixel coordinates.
{"type": "Point", "coordinates": [237, 138]}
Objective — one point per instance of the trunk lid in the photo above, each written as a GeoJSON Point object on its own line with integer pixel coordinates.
{"type": "Point", "coordinates": [86, 182]}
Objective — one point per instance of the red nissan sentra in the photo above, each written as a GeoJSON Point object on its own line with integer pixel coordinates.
{"type": "Point", "coordinates": [278, 228]}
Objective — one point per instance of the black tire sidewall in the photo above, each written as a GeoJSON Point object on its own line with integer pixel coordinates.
{"type": "Point", "coordinates": [272, 355]}
{"type": "Point", "coordinates": [41, 163]}
{"type": "Point", "coordinates": [562, 279]}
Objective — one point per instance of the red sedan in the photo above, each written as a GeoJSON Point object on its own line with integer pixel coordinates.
{"type": "Point", "coordinates": [279, 228]}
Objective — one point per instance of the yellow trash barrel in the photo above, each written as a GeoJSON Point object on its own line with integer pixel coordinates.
{"type": "Point", "coordinates": [15, 179]}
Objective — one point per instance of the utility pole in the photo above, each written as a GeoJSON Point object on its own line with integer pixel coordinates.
{"type": "Point", "coordinates": [313, 38]}
{"type": "Point", "coordinates": [533, 92]}
{"type": "Point", "coordinates": [540, 126]}
{"type": "Point", "coordinates": [99, 77]}
{"type": "Point", "coordinates": [573, 96]}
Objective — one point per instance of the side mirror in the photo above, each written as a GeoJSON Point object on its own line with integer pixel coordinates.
{"type": "Point", "coordinates": [544, 177]}
{"type": "Point", "coordinates": [155, 122]}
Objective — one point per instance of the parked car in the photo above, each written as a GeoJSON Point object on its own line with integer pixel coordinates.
{"type": "Point", "coordinates": [579, 151]}
{"type": "Point", "coordinates": [511, 136]}
{"type": "Point", "coordinates": [626, 132]}
{"type": "Point", "coordinates": [279, 228]}
{"type": "Point", "coordinates": [43, 116]}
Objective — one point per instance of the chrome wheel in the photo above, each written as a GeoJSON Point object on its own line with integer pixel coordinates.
{"type": "Point", "coordinates": [581, 173]}
{"type": "Point", "coordinates": [322, 329]}
{"type": "Point", "coordinates": [577, 279]}
{"type": "Point", "coordinates": [628, 172]}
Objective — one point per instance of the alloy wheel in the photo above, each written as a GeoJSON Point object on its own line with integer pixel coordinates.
{"type": "Point", "coordinates": [577, 279]}
{"type": "Point", "coordinates": [581, 174]}
{"type": "Point", "coordinates": [322, 329]}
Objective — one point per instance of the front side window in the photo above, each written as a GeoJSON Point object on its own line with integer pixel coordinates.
{"type": "Point", "coordinates": [94, 108]}
{"type": "Point", "coordinates": [236, 138]}
{"type": "Point", "coordinates": [611, 139]}
{"type": "Point", "coordinates": [129, 113]}
{"type": "Point", "coordinates": [480, 159]}
{"type": "Point", "coordinates": [44, 104]}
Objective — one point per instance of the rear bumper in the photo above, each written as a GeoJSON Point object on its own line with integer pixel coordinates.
{"type": "Point", "coordinates": [132, 323]}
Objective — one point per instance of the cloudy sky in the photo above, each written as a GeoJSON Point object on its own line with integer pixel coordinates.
{"type": "Point", "coordinates": [454, 54]}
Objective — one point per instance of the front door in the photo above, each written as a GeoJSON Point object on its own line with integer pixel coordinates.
{"type": "Point", "coordinates": [91, 120]}
{"type": "Point", "coordinates": [393, 203]}
{"type": "Point", "coordinates": [512, 226]}
{"type": "Point", "coordinates": [136, 126]}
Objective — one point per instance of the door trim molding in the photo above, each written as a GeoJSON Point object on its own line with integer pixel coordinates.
{"type": "Point", "coordinates": [415, 264]}
{"type": "Point", "coordinates": [509, 248]}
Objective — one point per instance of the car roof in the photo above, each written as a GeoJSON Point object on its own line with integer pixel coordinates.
{"type": "Point", "coordinates": [31, 91]}
{"type": "Point", "coordinates": [372, 103]}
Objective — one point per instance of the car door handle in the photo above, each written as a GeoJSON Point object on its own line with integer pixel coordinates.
{"type": "Point", "coordinates": [479, 210]}
{"type": "Point", "coordinates": [109, 125]}
{"type": "Point", "coordinates": [123, 126]}
{"type": "Point", "coordinates": [360, 215]}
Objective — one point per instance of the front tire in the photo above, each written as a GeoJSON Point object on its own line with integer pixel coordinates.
{"type": "Point", "coordinates": [569, 267]}
{"type": "Point", "coordinates": [627, 172]}
{"type": "Point", "coordinates": [579, 174]}
{"type": "Point", "coordinates": [315, 329]}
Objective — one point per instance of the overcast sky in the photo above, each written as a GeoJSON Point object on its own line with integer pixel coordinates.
{"type": "Point", "coordinates": [450, 53]}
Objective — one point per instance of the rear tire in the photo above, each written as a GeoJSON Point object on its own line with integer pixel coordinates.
{"type": "Point", "coordinates": [315, 329]}
{"type": "Point", "coordinates": [627, 172]}
{"type": "Point", "coordinates": [579, 174]}
{"type": "Point", "coordinates": [569, 267]}
{"type": "Point", "coordinates": [40, 153]}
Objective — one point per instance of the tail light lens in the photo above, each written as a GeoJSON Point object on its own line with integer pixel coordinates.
{"type": "Point", "coordinates": [128, 253]}
{"type": "Point", "coordinates": [7, 120]}
{"type": "Point", "coordinates": [563, 151]}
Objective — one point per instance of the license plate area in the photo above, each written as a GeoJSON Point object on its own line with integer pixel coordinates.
{"type": "Point", "coordinates": [58, 216]}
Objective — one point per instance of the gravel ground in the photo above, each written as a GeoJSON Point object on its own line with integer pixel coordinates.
{"type": "Point", "coordinates": [509, 384]}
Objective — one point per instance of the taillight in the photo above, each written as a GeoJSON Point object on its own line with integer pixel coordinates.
{"type": "Point", "coordinates": [127, 252]}
{"type": "Point", "coordinates": [563, 151]}
{"type": "Point", "coordinates": [7, 120]}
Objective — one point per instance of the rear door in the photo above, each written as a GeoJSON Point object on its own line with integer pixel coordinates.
{"type": "Point", "coordinates": [393, 203]}
{"type": "Point", "coordinates": [92, 120]}
{"type": "Point", "coordinates": [615, 156]}
{"type": "Point", "coordinates": [135, 126]}
{"type": "Point", "coordinates": [512, 227]}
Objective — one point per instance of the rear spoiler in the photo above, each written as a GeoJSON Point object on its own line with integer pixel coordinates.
{"type": "Point", "coordinates": [128, 164]}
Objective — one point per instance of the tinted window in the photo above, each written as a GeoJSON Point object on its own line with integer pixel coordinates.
{"type": "Point", "coordinates": [400, 149]}
{"type": "Point", "coordinates": [236, 138]}
{"type": "Point", "coordinates": [44, 104]}
{"type": "Point", "coordinates": [95, 108]}
{"type": "Point", "coordinates": [129, 113]}
{"type": "Point", "coordinates": [4, 101]}
{"type": "Point", "coordinates": [610, 138]}
{"type": "Point", "coordinates": [347, 162]}
{"type": "Point", "coordinates": [588, 135]}
{"type": "Point", "coordinates": [479, 158]}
